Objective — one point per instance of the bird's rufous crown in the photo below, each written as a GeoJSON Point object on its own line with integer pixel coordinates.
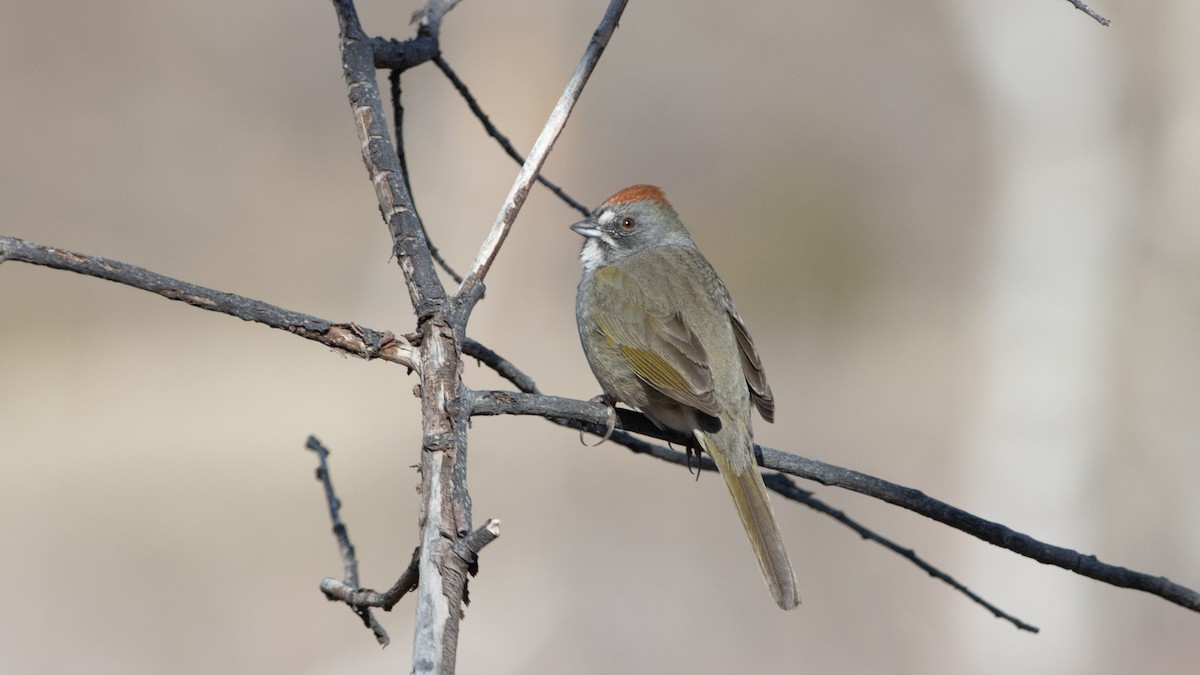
{"type": "Point", "coordinates": [638, 193]}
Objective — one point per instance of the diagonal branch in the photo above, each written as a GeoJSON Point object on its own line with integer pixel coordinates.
{"type": "Point", "coordinates": [398, 139]}
{"type": "Point", "coordinates": [787, 488]}
{"type": "Point", "coordinates": [993, 533]}
{"type": "Point", "coordinates": [348, 338]}
{"type": "Point", "coordinates": [542, 146]}
{"type": "Point", "coordinates": [505, 144]}
{"type": "Point", "coordinates": [575, 414]}
{"type": "Point", "coordinates": [1083, 7]}
{"type": "Point", "coordinates": [584, 416]}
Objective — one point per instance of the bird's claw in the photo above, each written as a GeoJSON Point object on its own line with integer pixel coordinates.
{"type": "Point", "coordinates": [612, 420]}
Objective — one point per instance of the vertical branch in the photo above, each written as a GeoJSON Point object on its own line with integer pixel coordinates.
{"type": "Point", "coordinates": [391, 189]}
{"type": "Point", "coordinates": [440, 591]}
{"type": "Point", "coordinates": [445, 508]}
{"type": "Point", "coordinates": [445, 504]}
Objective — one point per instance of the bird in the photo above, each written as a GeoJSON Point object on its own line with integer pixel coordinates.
{"type": "Point", "coordinates": [661, 335]}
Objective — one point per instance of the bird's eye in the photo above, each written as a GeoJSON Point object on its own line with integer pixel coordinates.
{"type": "Point", "coordinates": [628, 223]}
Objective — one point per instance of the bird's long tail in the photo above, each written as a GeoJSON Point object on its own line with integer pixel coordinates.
{"type": "Point", "coordinates": [750, 497]}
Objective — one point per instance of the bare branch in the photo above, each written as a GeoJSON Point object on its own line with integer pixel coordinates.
{"type": "Point", "coordinates": [445, 506]}
{"type": "Point", "coordinates": [335, 589]}
{"type": "Point", "coordinates": [993, 533]}
{"type": "Point", "coordinates": [398, 139]}
{"type": "Point", "coordinates": [543, 144]}
{"type": "Point", "coordinates": [785, 487]}
{"type": "Point", "coordinates": [584, 415]}
{"type": "Point", "coordinates": [519, 403]}
{"type": "Point", "coordinates": [345, 548]}
{"type": "Point", "coordinates": [468, 547]}
{"type": "Point", "coordinates": [395, 204]}
{"type": "Point", "coordinates": [505, 144]}
{"type": "Point", "coordinates": [361, 600]}
{"type": "Point", "coordinates": [1083, 7]}
{"type": "Point", "coordinates": [347, 338]}
{"type": "Point", "coordinates": [502, 366]}
{"type": "Point", "coordinates": [432, 13]}
{"type": "Point", "coordinates": [587, 415]}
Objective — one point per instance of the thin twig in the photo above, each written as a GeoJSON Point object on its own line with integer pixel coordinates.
{"type": "Point", "coordinates": [335, 589]}
{"type": "Point", "coordinates": [467, 548]}
{"type": "Point", "coordinates": [542, 146]}
{"type": "Point", "coordinates": [788, 488]}
{"type": "Point", "coordinates": [345, 548]}
{"type": "Point", "coordinates": [398, 140]}
{"type": "Point", "coordinates": [505, 143]}
{"type": "Point", "coordinates": [501, 365]}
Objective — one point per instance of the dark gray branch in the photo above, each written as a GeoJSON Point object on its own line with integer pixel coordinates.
{"type": "Point", "coordinates": [501, 365]}
{"type": "Point", "coordinates": [787, 487]}
{"type": "Point", "coordinates": [505, 144]}
{"type": "Point", "coordinates": [590, 416]}
{"type": "Point", "coordinates": [398, 139]}
{"type": "Point", "coordinates": [520, 403]}
{"type": "Point", "coordinates": [348, 338]}
{"type": "Point", "coordinates": [345, 548]}
{"type": "Point", "coordinates": [365, 598]}
{"type": "Point", "coordinates": [342, 534]}
{"type": "Point", "coordinates": [391, 54]}
{"type": "Point", "coordinates": [993, 533]}
{"type": "Point", "coordinates": [395, 204]}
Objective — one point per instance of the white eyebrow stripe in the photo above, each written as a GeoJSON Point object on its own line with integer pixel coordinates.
{"type": "Point", "coordinates": [606, 217]}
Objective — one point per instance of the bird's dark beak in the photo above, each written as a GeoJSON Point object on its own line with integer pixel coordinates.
{"type": "Point", "coordinates": [587, 228]}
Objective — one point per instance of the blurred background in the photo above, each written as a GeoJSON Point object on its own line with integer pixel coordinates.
{"type": "Point", "coordinates": [963, 234]}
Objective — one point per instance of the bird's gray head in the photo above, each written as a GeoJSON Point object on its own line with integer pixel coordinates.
{"type": "Point", "coordinates": [632, 220]}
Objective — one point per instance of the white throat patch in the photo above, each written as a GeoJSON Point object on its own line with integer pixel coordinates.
{"type": "Point", "coordinates": [592, 254]}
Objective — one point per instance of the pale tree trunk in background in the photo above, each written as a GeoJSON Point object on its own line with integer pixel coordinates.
{"type": "Point", "coordinates": [1046, 312]}
{"type": "Point", "coordinates": [1156, 459]}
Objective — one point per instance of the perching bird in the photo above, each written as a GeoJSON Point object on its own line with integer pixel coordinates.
{"type": "Point", "coordinates": [662, 336]}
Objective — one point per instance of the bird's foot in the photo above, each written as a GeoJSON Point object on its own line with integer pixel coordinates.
{"type": "Point", "coordinates": [612, 420]}
{"type": "Point", "coordinates": [693, 451]}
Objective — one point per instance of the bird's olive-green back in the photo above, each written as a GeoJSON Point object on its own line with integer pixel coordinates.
{"type": "Point", "coordinates": [663, 315]}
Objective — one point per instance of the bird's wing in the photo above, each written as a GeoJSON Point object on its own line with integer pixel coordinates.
{"type": "Point", "coordinates": [756, 378]}
{"type": "Point", "coordinates": [657, 345]}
